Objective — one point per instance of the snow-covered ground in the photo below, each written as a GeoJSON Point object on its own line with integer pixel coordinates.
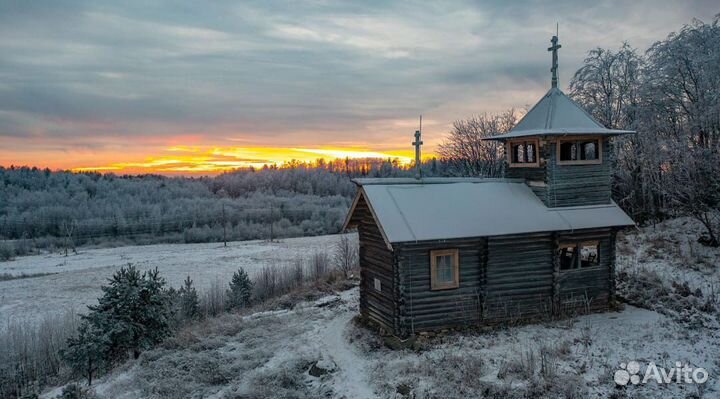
{"type": "Point", "coordinates": [77, 278]}
{"type": "Point", "coordinates": [271, 355]}
{"type": "Point", "coordinates": [671, 250]}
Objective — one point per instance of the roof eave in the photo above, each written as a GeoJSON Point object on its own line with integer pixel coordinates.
{"type": "Point", "coordinates": [557, 133]}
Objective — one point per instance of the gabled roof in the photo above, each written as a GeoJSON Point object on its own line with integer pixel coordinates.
{"type": "Point", "coordinates": [475, 208]}
{"type": "Point", "coordinates": [557, 114]}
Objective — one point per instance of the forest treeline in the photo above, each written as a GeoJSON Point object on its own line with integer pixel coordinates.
{"type": "Point", "coordinates": [43, 209]}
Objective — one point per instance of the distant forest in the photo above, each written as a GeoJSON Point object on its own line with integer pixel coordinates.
{"type": "Point", "coordinates": [668, 94]}
{"type": "Point", "coordinates": [42, 209]}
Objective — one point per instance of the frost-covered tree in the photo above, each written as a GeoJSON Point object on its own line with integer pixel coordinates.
{"type": "Point", "coordinates": [694, 188]}
{"type": "Point", "coordinates": [465, 151]}
{"type": "Point", "coordinates": [189, 302]}
{"type": "Point", "coordinates": [669, 96]}
{"type": "Point", "coordinates": [608, 86]}
{"type": "Point", "coordinates": [239, 295]}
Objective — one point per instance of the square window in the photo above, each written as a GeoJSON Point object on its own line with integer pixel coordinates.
{"type": "Point", "coordinates": [444, 269]}
{"type": "Point", "coordinates": [574, 256]}
{"type": "Point", "coordinates": [585, 151]}
{"type": "Point", "coordinates": [377, 284]}
{"type": "Point", "coordinates": [523, 153]}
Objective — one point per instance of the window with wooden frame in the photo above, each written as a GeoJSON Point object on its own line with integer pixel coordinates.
{"type": "Point", "coordinates": [579, 255]}
{"type": "Point", "coordinates": [444, 269]}
{"type": "Point", "coordinates": [579, 151]}
{"type": "Point", "coordinates": [523, 153]}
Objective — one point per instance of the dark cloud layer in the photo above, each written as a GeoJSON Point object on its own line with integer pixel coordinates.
{"type": "Point", "coordinates": [314, 71]}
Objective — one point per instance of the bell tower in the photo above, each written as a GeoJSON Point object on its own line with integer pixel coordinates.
{"type": "Point", "coordinates": [560, 150]}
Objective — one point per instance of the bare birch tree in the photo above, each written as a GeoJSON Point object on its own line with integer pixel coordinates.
{"type": "Point", "coordinates": [468, 154]}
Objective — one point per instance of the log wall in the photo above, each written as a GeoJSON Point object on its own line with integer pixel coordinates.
{"type": "Point", "coordinates": [519, 277]}
{"type": "Point", "coordinates": [574, 185]}
{"type": "Point", "coordinates": [425, 309]}
{"type": "Point", "coordinates": [376, 262]}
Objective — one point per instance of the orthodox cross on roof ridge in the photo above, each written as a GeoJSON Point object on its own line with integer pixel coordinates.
{"type": "Point", "coordinates": [418, 143]}
{"type": "Point", "coordinates": [554, 48]}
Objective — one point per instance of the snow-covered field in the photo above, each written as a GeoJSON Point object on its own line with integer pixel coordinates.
{"type": "Point", "coordinates": [77, 278]}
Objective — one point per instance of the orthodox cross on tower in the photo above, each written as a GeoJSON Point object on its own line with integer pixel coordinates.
{"type": "Point", "coordinates": [418, 143]}
{"type": "Point", "coordinates": [554, 48]}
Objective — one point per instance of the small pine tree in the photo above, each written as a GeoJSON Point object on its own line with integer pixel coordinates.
{"type": "Point", "coordinates": [240, 292]}
{"type": "Point", "coordinates": [85, 352]}
{"type": "Point", "coordinates": [133, 313]}
{"type": "Point", "coordinates": [174, 308]}
{"type": "Point", "coordinates": [189, 302]}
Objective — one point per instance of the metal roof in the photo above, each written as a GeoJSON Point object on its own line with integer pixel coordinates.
{"type": "Point", "coordinates": [436, 211]}
{"type": "Point", "coordinates": [366, 181]}
{"type": "Point", "coordinates": [556, 115]}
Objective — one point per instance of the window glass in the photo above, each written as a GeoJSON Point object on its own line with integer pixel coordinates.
{"type": "Point", "coordinates": [568, 258]}
{"type": "Point", "coordinates": [445, 271]}
{"type": "Point", "coordinates": [588, 150]}
{"type": "Point", "coordinates": [567, 151]}
{"type": "Point", "coordinates": [518, 153]}
{"type": "Point", "coordinates": [585, 150]}
{"type": "Point", "coordinates": [589, 255]}
{"type": "Point", "coordinates": [530, 152]}
{"type": "Point", "coordinates": [525, 152]}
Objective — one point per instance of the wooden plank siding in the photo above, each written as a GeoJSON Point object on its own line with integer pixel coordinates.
{"type": "Point", "coordinates": [575, 185]}
{"type": "Point", "coordinates": [376, 261]}
{"type": "Point", "coordinates": [519, 277]}
{"type": "Point", "coordinates": [425, 309]}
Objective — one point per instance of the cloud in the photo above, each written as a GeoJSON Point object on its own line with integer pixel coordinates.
{"type": "Point", "coordinates": [299, 74]}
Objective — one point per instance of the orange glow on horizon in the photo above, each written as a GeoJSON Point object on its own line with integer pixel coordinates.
{"type": "Point", "coordinates": [207, 160]}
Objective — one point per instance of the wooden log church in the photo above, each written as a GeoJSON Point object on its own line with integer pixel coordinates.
{"type": "Point", "coordinates": [447, 252]}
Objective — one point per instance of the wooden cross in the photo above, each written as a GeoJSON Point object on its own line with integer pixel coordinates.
{"type": "Point", "coordinates": [554, 48]}
{"type": "Point", "coordinates": [417, 143]}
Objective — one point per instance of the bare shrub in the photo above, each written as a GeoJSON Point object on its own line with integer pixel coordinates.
{"type": "Point", "coordinates": [319, 265]}
{"type": "Point", "coordinates": [213, 300]}
{"type": "Point", "coordinates": [267, 283]}
{"type": "Point", "coordinates": [346, 254]}
{"type": "Point", "coordinates": [275, 281]}
{"type": "Point", "coordinates": [29, 354]}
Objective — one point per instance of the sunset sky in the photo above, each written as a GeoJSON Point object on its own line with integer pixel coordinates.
{"type": "Point", "coordinates": [197, 87]}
